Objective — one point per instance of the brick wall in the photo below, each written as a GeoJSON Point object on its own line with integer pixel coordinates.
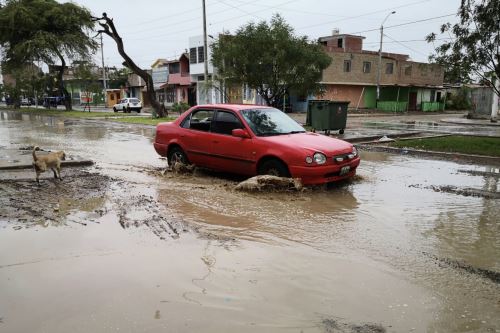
{"type": "Point", "coordinates": [419, 74]}
{"type": "Point", "coordinates": [341, 92]}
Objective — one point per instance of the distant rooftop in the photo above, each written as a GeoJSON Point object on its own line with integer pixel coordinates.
{"type": "Point", "coordinates": [336, 36]}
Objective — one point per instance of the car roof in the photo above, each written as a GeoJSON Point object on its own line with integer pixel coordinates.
{"type": "Point", "coordinates": [234, 106]}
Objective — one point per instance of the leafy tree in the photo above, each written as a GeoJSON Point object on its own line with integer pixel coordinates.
{"type": "Point", "coordinates": [473, 49]}
{"type": "Point", "coordinates": [118, 78]}
{"type": "Point", "coordinates": [28, 82]}
{"type": "Point", "coordinates": [86, 78]}
{"type": "Point", "coordinates": [47, 31]}
{"type": "Point", "coordinates": [271, 59]}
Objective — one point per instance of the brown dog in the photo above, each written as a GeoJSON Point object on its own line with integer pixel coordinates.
{"type": "Point", "coordinates": [44, 162]}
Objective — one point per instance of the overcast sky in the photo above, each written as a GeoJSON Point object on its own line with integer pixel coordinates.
{"type": "Point", "coordinates": [160, 28]}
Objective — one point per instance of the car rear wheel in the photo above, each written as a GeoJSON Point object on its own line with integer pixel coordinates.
{"type": "Point", "coordinates": [274, 168]}
{"type": "Point", "coordinates": [175, 155]}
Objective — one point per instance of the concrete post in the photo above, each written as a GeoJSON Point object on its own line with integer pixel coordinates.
{"type": "Point", "coordinates": [494, 106]}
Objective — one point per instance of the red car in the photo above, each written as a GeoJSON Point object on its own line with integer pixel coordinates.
{"type": "Point", "coordinates": [252, 140]}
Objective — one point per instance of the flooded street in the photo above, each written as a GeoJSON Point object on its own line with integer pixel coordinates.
{"type": "Point", "coordinates": [120, 246]}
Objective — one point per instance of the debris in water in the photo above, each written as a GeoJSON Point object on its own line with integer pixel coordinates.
{"type": "Point", "coordinates": [468, 192]}
{"type": "Point", "coordinates": [269, 183]}
{"type": "Point", "coordinates": [332, 326]}
{"type": "Point", "coordinates": [385, 139]}
{"type": "Point", "coordinates": [179, 168]}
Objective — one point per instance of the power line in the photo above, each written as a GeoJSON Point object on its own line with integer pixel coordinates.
{"type": "Point", "coordinates": [237, 8]}
{"type": "Point", "coordinates": [362, 15]}
{"type": "Point", "coordinates": [402, 24]}
{"type": "Point", "coordinates": [407, 41]}
{"type": "Point", "coordinates": [403, 45]}
{"type": "Point", "coordinates": [195, 19]}
{"type": "Point", "coordinates": [221, 21]}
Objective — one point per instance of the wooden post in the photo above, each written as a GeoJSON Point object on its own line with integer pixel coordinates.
{"type": "Point", "coordinates": [360, 96]}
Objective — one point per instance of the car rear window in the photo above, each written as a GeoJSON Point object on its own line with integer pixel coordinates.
{"type": "Point", "coordinates": [134, 100]}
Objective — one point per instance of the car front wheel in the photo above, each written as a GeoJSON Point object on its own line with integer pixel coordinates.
{"type": "Point", "coordinates": [274, 167]}
{"type": "Point", "coordinates": [176, 155]}
{"type": "Point", "coordinates": [114, 109]}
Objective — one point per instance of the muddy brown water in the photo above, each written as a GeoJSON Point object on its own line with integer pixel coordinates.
{"type": "Point", "coordinates": [121, 247]}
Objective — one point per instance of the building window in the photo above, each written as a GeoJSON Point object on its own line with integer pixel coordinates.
{"type": "Point", "coordinates": [174, 68]}
{"type": "Point", "coordinates": [201, 54]}
{"type": "Point", "coordinates": [367, 67]}
{"type": "Point", "coordinates": [408, 70]}
{"type": "Point", "coordinates": [389, 68]}
{"type": "Point", "coordinates": [192, 55]}
{"type": "Point", "coordinates": [347, 65]}
{"type": "Point", "coordinates": [170, 95]}
{"type": "Point", "coordinates": [433, 96]}
{"type": "Point", "coordinates": [246, 92]}
{"type": "Point", "coordinates": [340, 42]}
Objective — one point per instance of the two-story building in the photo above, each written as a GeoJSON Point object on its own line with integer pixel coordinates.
{"type": "Point", "coordinates": [206, 92]}
{"type": "Point", "coordinates": [404, 84]}
{"type": "Point", "coordinates": [178, 87]}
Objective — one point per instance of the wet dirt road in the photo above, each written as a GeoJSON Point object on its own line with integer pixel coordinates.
{"type": "Point", "coordinates": [121, 247]}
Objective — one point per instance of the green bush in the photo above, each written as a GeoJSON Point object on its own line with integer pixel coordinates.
{"type": "Point", "coordinates": [180, 107]}
{"type": "Point", "coordinates": [459, 101]}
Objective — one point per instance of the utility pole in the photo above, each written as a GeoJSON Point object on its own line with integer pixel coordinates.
{"type": "Point", "coordinates": [104, 75]}
{"type": "Point", "coordinates": [494, 106]}
{"type": "Point", "coordinates": [205, 53]}
{"type": "Point", "coordinates": [380, 54]}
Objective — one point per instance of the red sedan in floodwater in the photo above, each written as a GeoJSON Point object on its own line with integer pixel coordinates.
{"type": "Point", "coordinates": [253, 140]}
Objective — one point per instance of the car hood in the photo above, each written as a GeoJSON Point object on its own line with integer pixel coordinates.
{"type": "Point", "coordinates": [311, 142]}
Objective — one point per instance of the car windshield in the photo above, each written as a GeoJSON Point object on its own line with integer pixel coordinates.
{"type": "Point", "coordinates": [267, 122]}
{"type": "Point", "coordinates": [134, 100]}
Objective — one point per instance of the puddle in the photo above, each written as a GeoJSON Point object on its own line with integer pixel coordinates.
{"type": "Point", "coordinates": [189, 253]}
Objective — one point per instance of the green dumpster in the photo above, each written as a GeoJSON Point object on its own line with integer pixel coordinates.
{"type": "Point", "coordinates": [325, 115]}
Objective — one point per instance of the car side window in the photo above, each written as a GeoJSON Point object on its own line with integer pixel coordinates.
{"type": "Point", "coordinates": [225, 122]}
{"type": "Point", "coordinates": [199, 120]}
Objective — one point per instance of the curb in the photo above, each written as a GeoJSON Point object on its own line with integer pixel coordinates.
{"type": "Point", "coordinates": [63, 163]}
{"type": "Point", "coordinates": [441, 154]}
{"type": "Point", "coordinates": [489, 124]}
{"type": "Point", "coordinates": [374, 138]}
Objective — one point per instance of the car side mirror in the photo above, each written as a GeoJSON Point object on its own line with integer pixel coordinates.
{"type": "Point", "coordinates": [240, 133]}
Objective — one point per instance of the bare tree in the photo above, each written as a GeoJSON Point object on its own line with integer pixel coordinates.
{"type": "Point", "coordinates": [108, 28]}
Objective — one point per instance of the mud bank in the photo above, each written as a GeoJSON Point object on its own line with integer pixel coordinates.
{"type": "Point", "coordinates": [82, 197]}
{"type": "Point", "coordinates": [54, 201]}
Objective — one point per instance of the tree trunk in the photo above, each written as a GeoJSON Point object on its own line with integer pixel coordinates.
{"type": "Point", "coordinates": [62, 90]}
{"type": "Point", "coordinates": [110, 30]}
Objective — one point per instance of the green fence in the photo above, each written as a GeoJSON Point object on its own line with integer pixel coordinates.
{"type": "Point", "coordinates": [432, 106]}
{"type": "Point", "coordinates": [392, 106]}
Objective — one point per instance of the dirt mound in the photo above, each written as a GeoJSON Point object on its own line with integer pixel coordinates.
{"type": "Point", "coordinates": [269, 183]}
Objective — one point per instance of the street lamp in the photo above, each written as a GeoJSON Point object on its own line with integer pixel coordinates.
{"type": "Point", "coordinates": [380, 54]}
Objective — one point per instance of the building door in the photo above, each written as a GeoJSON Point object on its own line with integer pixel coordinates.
{"type": "Point", "coordinates": [412, 104]}
{"type": "Point", "coordinates": [192, 96]}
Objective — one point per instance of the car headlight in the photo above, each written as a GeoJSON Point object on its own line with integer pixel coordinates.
{"type": "Point", "coordinates": [353, 154]}
{"type": "Point", "coordinates": [319, 158]}
{"type": "Point", "coordinates": [309, 159]}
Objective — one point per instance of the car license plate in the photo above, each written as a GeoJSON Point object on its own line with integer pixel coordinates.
{"type": "Point", "coordinates": [344, 170]}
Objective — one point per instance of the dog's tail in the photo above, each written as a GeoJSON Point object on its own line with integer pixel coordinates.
{"type": "Point", "coordinates": [34, 155]}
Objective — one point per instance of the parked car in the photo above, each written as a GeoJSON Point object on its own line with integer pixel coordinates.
{"type": "Point", "coordinates": [53, 101]}
{"type": "Point", "coordinates": [25, 101]}
{"type": "Point", "coordinates": [252, 140]}
{"type": "Point", "coordinates": [127, 105]}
